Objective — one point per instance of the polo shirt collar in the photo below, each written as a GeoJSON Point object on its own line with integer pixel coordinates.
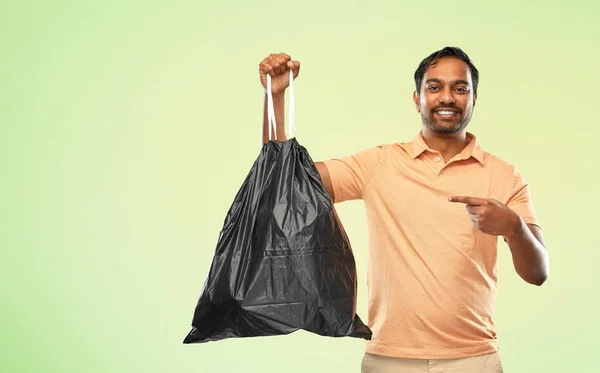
{"type": "Point", "coordinates": [473, 149]}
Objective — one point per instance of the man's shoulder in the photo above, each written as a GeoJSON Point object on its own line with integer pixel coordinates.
{"type": "Point", "coordinates": [398, 147]}
{"type": "Point", "coordinates": [499, 164]}
{"type": "Point", "coordinates": [496, 159]}
{"type": "Point", "coordinates": [384, 150]}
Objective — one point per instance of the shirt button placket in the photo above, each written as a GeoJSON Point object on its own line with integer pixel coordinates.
{"type": "Point", "coordinates": [438, 159]}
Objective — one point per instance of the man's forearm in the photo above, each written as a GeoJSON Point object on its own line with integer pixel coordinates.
{"type": "Point", "coordinates": [530, 257]}
{"type": "Point", "coordinates": [279, 108]}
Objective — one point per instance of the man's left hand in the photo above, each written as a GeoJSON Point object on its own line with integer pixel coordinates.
{"type": "Point", "coordinates": [490, 216]}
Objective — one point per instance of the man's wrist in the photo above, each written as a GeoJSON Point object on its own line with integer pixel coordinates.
{"type": "Point", "coordinates": [276, 95]}
{"type": "Point", "coordinates": [518, 227]}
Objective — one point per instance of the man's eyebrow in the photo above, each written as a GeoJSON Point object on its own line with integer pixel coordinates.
{"type": "Point", "coordinates": [436, 80]}
{"type": "Point", "coordinates": [461, 82]}
{"type": "Point", "coordinates": [433, 80]}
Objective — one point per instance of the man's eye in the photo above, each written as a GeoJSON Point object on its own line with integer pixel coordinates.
{"type": "Point", "coordinates": [461, 90]}
{"type": "Point", "coordinates": [432, 88]}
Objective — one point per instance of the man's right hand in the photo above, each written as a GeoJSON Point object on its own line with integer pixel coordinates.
{"type": "Point", "coordinates": [278, 67]}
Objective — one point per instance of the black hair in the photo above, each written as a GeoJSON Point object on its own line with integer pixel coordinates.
{"type": "Point", "coordinates": [447, 52]}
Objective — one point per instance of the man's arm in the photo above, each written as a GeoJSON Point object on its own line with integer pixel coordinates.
{"type": "Point", "coordinates": [279, 108]}
{"type": "Point", "coordinates": [530, 257]}
{"type": "Point", "coordinates": [278, 66]}
{"type": "Point", "coordinates": [325, 178]}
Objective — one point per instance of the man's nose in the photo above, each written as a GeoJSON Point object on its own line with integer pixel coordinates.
{"type": "Point", "coordinates": [446, 97]}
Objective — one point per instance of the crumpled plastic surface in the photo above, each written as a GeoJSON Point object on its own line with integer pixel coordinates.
{"type": "Point", "coordinates": [283, 261]}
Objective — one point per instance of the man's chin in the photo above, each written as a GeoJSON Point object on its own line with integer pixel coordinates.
{"type": "Point", "coordinates": [447, 128]}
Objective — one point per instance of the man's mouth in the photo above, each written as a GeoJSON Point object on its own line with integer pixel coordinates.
{"type": "Point", "coordinates": [446, 113]}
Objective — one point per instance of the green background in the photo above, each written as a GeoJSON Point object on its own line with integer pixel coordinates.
{"type": "Point", "coordinates": [126, 128]}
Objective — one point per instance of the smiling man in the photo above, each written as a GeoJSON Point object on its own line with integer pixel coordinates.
{"type": "Point", "coordinates": [435, 208]}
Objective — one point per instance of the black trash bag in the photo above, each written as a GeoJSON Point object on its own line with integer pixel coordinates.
{"type": "Point", "coordinates": [283, 261]}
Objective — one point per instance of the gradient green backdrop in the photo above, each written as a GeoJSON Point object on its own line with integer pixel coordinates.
{"type": "Point", "coordinates": [126, 129]}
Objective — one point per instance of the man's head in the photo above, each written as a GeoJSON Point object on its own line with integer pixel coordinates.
{"type": "Point", "coordinates": [446, 90]}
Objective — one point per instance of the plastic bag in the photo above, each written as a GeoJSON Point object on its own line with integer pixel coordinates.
{"type": "Point", "coordinates": [283, 261]}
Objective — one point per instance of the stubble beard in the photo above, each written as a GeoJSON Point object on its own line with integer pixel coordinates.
{"type": "Point", "coordinates": [436, 128]}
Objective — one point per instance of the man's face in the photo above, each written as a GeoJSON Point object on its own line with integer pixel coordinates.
{"type": "Point", "coordinates": [446, 98]}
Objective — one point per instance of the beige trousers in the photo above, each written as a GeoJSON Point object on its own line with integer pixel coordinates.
{"type": "Point", "coordinates": [488, 363]}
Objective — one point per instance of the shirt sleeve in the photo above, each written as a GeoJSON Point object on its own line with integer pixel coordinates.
{"type": "Point", "coordinates": [350, 175]}
{"type": "Point", "coordinates": [520, 200]}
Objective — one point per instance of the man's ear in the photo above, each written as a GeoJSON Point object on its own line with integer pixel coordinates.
{"type": "Point", "coordinates": [474, 100]}
{"type": "Point", "coordinates": [417, 101]}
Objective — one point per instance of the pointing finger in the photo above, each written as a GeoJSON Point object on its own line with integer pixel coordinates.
{"type": "Point", "coordinates": [473, 201]}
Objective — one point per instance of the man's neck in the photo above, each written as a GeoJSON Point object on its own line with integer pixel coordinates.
{"type": "Point", "coordinates": [448, 145]}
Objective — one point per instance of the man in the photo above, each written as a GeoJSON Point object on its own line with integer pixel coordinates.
{"type": "Point", "coordinates": [435, 206]}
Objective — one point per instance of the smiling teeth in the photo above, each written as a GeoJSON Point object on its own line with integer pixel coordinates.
{"type": "Point", "coordinates": [446, 112]}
